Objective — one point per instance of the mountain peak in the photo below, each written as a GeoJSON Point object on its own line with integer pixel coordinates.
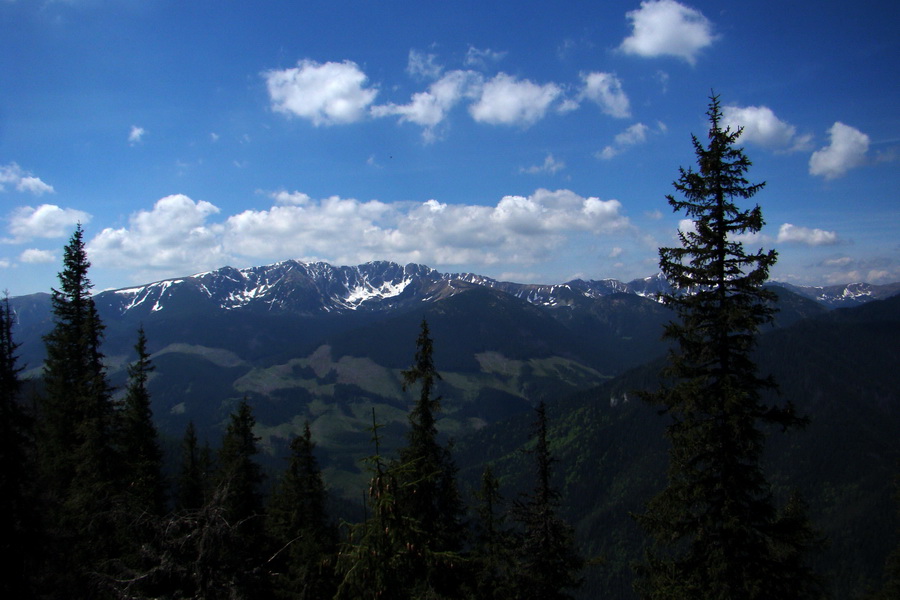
{"type": "Point", "coordinates": [319, 287]}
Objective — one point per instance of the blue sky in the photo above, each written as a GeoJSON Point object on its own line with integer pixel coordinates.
{"type": "Point", "coordinates": [528, 141]}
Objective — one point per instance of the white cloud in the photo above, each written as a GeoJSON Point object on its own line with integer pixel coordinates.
{"type": "Point", "coordinates": [295, 198]}
{"type": "Point", "coordinates": [507, 101]}
{"type": "Point", "coordinates": [430, 108]}
{"type": "Point", "coordinates": [550, 165]}
{"type": "Point", "coordinates": [636, 134]}
{"type": "Point", "coordinates": [762, 127]}
{"type": "Point", "coordinates": [326, 94]}
{"type": "Point", "coordinates": [792, 234]}
{"type": "Point", "coordinates": [423, 65]}
{"type": "Point", "coordinates": [841, 261]}
{"type": "Point", "coordinates": [666, 27]}
{"type": "Point", "coordinates": [476, 57]}
{"type": "Point", "coordinates": [24, 181]}
{"type": "Point", "coordinates": [846, 151]}
{"type": "Point", "coordinates": [136, 135]}
{"type": "Point", "coordinates": [45, 221]}
{"type": "Point", "coordinates": [177, 237]}
{"type": "Point", "coordinates": [172, 237]}
{"type": "Point", "coordinates": [35, 256]}
{"type": "Point", "coordinates": [606, 90]}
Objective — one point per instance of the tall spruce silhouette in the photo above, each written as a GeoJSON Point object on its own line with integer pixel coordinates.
{"type": "Point", "coordinates": [716, 531]}
{"type": "Point", "coordinates": [79, 461]}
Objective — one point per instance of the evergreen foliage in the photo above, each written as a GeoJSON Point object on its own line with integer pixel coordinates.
{"type": "Point", "coordinates": [238, 497]}
{"type": "Point", "coordinates": [142, 455]}
{"type": "Point", "coordinates": [494, 549]}
{"type": "Point", "coordinates": [431, 497]}
{"type": "Point", "coordinates": [18, 519]}
{"type": "Point", "coordinates": [378, 560]}
{"type": "Point", "coordinates": [548, 563]}
{"type": "Point", "coordinates": [410, 544]}
{"type": "Point", "coordinates": [715, 528]}
{"type": "Point", "coordinates": [194, 474]}
{"type": "Point", "coordinates": [890, 589]}
{"type": "Point", "coordinates": [79, 461]}
{"type": "Point", "coordinates": [298, 526]}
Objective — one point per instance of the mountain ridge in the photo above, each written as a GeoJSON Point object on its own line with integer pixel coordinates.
{"type": "Point", "coordinates": [320, 287]}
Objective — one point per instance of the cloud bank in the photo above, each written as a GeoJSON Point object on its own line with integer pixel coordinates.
{"type": "Point", "coordinates": [178, 235]}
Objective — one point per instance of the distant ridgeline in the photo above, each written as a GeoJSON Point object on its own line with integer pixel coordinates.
{"type": "Point", "coordinates": [313, 342]}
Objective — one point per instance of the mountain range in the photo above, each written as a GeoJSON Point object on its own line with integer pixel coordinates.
{"type": "Point", "coordinates": [325, 344]}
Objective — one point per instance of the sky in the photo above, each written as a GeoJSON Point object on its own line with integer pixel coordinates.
{"type": "Point", "coordinates": [525, 141]}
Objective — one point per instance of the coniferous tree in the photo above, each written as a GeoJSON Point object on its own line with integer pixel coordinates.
{"type": "Point", "coordinates": [495, 544]}
{"type": "Point", "coordinates": [142, 455]}
{"type": "Point", "coordinates": [378, 560]}
{"type": "Point", "coordinates": [239, 493]}
{"type": "Point", "coordinates": [195, 472]}
{"type": "Point", "coordinates": [429, 494]}
{"type": "Point", "coordinates": [19, 529]}
{"type": "Point", "coordinates": [299, 528]}
{"type": "Point", "coordinates": [715, 528]}
{"type": "Point", "coordinates": [548, 563]}
{"type": "Point", "coordinates": [79, 462]}
{"type": "Point", "coordinates": [890, 589]}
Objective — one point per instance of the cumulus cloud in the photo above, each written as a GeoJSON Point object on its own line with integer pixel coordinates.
{"type": "Point", "coordinates": [517, 229]}
{"type": "Point", "coordinates": [430, 108]}
{"type": "Point", "coordinates": [636, 134]}
{"type": "Point", "coordinates": [666, 27]}
{"type": "Point", "coordinates": [846, 151]}
{"type": "Point", "coordinates": [762, 127]}
{"type": "Point", "coordinates": [550, 165]}
{"type": "Point", "coordinates": [606, 90]}
{"type": "Point", "coordinates": [45, 221]}
{"type": "Point", "coordinates": [35, 256]}
{"type": "Point", "coordinates": [792, 234]}
{"type": "Point", "coordinates": [22, 180]}
{"type": "Point", "coordinates": [326, 94]}
{"type": "Point", "coordinates": [172, 236]}
{"type": "Point", "coordinates": [136, 135]}
{"type": "Point", "coordinates": [177, 235]}
{"type": "Point", "coordinates": [506, 100]}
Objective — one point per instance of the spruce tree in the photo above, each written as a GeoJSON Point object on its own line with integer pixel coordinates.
{"type": "Point", "coordinates": [715, 529]}
{"type": "Point", "coordinates": [142, 455]}
{"type": "Point", "coordinates": [429, 494]}
{"type": "Point", "coordinates": [194, 473]}
{"type": "Point", "coordinates": [239, 494]}
{"type": "Point", "coordinates": [19, 529]}
{"type": "Point", "coordinates": [378, 559]}
{"type": "Point", "coordinates": [79, 462]}
{"type": "Point", "coordinates": [494, 549]}
{"type": "Point", "coordinates": [299, 528]}
{"type": "Point", "coordinates": [548, 563]}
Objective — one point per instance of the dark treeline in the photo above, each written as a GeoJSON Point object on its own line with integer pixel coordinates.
{"type": "Point", "coordinates": [88, 513]}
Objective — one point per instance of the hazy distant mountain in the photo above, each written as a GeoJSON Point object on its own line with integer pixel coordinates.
{"type": "Point", "coordinates": [842, 296]}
